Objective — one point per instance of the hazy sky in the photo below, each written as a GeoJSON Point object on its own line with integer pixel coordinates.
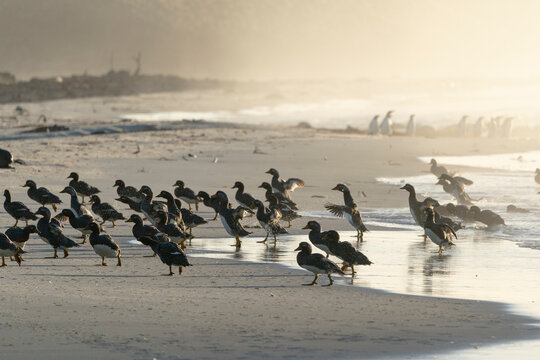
{"type": "Point", "coordinates": [269, 39]}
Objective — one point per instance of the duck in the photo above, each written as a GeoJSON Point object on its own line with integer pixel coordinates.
{"type": "Point", "coordinates": [537, 176]}
{"type": "Point", "coordinates": [440, 234]}
{"type": "Point", "coordinates": [190, 219]}
{"type": "Point", "coordinates": [41, 195]}
{"type": "Point", "coordinates": [347, 253]}
{"type": "Point", "coordinates": [316, 263]}
{"type": "Point", "coordinates": [186, 194]}
{"type": "Point", "coordinates": [169, 253]}
{"type": "Point", "coordinates": [439, 219]}
{"type": "Point", "coordinates": [349, 211]}
{"type": "Point", "coordinates": [80, 223]}
{"type": "Point", "coordinates": [20, 236]}
{"type": "Point", "coordinates": [174, 214]}
{"type": "Point", "coordinates": [105, 210]}
{"type": "Point", "coordinates": [269, 220]}
{"type": "Point", "coordinates": [284, 187]}
{"type": "Point", "coordinates": [128, 191]}
{"type": "Point", "coordinates": [74, 203]}
{"type": "Point", "coordinates": [415, 206]}
{"type": "Point", "coordinates": [17, 209]}
{"type": "Point", "coordinates": [514, 209]}
{"type": "Point", "coordinates": [133, 205]}
{"type": "Point", "coordinates": [281, 199]}
{"type": "Point", "coordinates": [139, 230]}
{"type": "Point", "coordinates": [436, 169]}
{"type": "Point", "coordinates": [8, 248]}
{"type": "Point", "coordinates": [287, 214]}
{"type": "Point", "coordinates": [487, 217]}
{"type": "Point", "coordinates": [318, 238]}
{"type": "Point", "coordinates": [229, 219]}
{"type": "Point", "coordinates": [243, 198]}
{"type": "Point", "coordinates": [149, 207]}
{"type": "Point", "coordinates": [211, 202]}
{"type": "Point", "coordinates": [172, 229]}
{"type": "Point", "coordinates": [52, 234]}
{"type": "Point", "coordinates": [104, 245]}
{"type": "Point", "coordinates": [6, 159]}
{"type": "Point", "coordinates": [81, 187]}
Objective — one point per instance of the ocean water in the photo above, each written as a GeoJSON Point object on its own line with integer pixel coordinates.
{"type": "Point", "coordinates": [445, 106]}
{"type": "Point", "coordinates": [500, 265]}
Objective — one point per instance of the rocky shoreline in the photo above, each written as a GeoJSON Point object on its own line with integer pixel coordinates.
{"type": "Point", "coordinates": [113, 83]}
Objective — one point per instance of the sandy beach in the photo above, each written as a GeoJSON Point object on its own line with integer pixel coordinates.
{"type": "Point", "coordinates": [224, 308]}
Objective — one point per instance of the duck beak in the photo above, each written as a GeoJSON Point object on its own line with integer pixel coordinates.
{"type": "Point", "coordinates": [25, 185]}
{"type": "Point", "coordinates": [297, 249]}
{"type": "Point", "coordinates": [129, 220]}
{"type": "Point", "coordinates": [306, 227]}
{"type": "Point", "coordinates": [267, 172]}
{"type": "Point", "coordinates": [403, 187]}
{"type": "Point", "coordinates": [335, 188]}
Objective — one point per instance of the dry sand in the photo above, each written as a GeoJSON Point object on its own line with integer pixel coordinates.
{"type": "Point", "coordinates": [70, 308]}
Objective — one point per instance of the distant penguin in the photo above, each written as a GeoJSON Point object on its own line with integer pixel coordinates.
{"type": "Point", "coordinates": [6, 159]}
{"type": "Point", "coordinates": [374, 126]}
{"type": "Point", "coordinates": [462, 126]}
{"type": "Point", "coordinates": [411, 126]}
{"type": "Point", "coordinates": [506, 129]}
{"type": "Point", "coordinates": [478, 127]}
{"type": "Point", "coordinates": [386, 125]}
{"type": "Point", "coordinates": [493, 128]}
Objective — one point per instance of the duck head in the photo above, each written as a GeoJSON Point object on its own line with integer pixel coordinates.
{"type": "Point", "coordinates": [73, 176]}
{"type": "Point", "coordinates": [43, 211]}
{"type": "Point", "coordinates": [179, 183]}
{"type": "Point", "coordinates": [408, 187]}
{"type": "Point", "coordinates": [30, 184]}
{"type": "Point", "coordinates": [238, 185]}
{"type": "Point", "coordinates": [266, 186]}
{"type": "Point", "coordinates": [303, 246]}
{"type": "Point", "coordinates": [94, 227]}
{"type": "Point", "coordinates": [134, 219]}
{"type": "Point", "coordinates": [119, 183]}
{"type": "Point", "coordinates": [94, 199]}
{"type": "Point", "coordinates": [312, 225]}
{"type": "Point", "coordinates": [433, 162]}
{"type": "Point", "coordinates": [272, 172]}
{"type": "Point", "coordinates": [69, 190]}
{"type": "Point", "coordinates": [340, 187]}
{"type": "Point", "coordinates": [165, 194]}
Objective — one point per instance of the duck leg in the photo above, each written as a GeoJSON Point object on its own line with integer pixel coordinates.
{"type": "Point", "coordinates": [119, 259]}
{"type": "Point", "coordinates": [196, 205]}
{"type": "Point", "coordinates": [170, 271]}
{"type": "Point", "coordinates": [179, 270]}
{"type": "Point", "coordinates": [66, 254]}
{"type": "Point", "coordinates": [16, 222]}
{"type": "Point", "coordinates": [275, 239]}
{"type": "Point", "coordinates": [103, 263]}
{"type": "Point", "coordinates": [54, 207]}
{"type": "Point", "coordinates": [344, 267]}
{"type": "Point", "coordinates": [314, 282]}
{"type": "Point", "coordinates": [82, 200]}
{"type": "Point", "coordinates": [27, 223]}
{"type": "Point", "coordinates": [215, 217]}
{"type": "Point", "coordinates": [84, 239]}
{"type": "Point", "coordinates": [55, 256]}
{"type": "Point", "coordinates": [238, 242]}
{"type": "Point", "coordinates": [353, 272]}
{"type": "Point", "coordinates": [440, 249]}
{"type": "Point", "coordinates": [113, 224]}
{"type": "Point", "coordinates": [265, 239]}
{"type": "Point", "coordinates": [3, 262]}
{"type": "Point", "coordinates": [331, 281]}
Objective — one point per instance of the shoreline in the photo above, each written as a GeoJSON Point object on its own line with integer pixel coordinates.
{"type": "Point", "coordinates": [219, 306]}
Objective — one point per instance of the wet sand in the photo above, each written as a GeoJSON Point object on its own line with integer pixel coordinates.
{"type": "Point", "coordinates": [220, 307]}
